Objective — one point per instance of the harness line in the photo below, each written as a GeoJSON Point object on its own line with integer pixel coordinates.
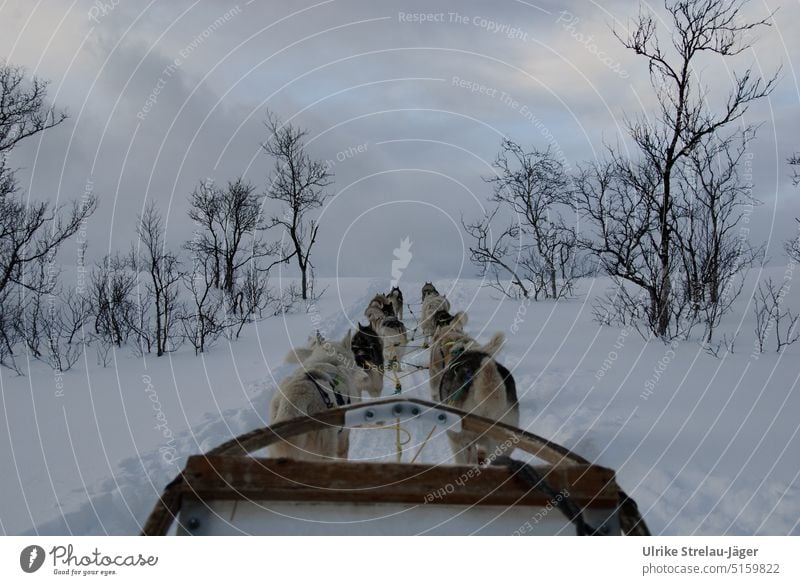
{"type": "Point", "coordinates": [422, 446]}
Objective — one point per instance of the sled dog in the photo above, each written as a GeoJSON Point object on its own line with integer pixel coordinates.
{"type": "Point", "coordinates": [395, 296]}
{"type": "Point", "coordinates": [465, 374]}
{"type": "Point", "coordinates": [432, 303]}
{"type": "Point", "coordinates": [378, 308]}
{"type": "Point", "coordinates": [368, 351]}
{"type": "Point", "coordinates": [392, 331]}
{"type": "Point", "coordinates": [327, 378]}
{"type": "Point", "coordinates": [428, 289]}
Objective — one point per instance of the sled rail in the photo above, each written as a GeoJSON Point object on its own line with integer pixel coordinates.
{"type": "Point", "coordinates": [540, 447]}
{"type": "Point", "coordinates": [225, 474]}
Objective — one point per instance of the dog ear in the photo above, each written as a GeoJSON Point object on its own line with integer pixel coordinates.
{"type": "Point", "coordinates": [347, 341]}
{"type": "Point", "coordinates": [298, 355]}
{"type": "Point", "coordinates": [459, 320]}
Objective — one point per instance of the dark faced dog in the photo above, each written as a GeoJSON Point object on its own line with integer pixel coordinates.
{"type": "Point", "coordinates": [368, 351]}
{"type": "Point", "coordinates": [396, 297]}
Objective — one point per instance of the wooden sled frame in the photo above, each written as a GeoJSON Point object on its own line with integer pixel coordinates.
{"type": "Point", "coordinates": [226, 473]}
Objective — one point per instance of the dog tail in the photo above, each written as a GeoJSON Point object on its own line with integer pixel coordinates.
{"type": "Point", "coordinates": [489, 385]}
{"type": "Point", "coordinates": [495, 344]}
{"type": "Point", "coordinates": [459, 321]}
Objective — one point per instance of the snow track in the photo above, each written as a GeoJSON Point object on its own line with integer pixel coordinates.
{"type": "Point", "coordinates": [711, 447]}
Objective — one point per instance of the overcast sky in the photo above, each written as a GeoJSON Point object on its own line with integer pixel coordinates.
{"type": "Point", "coordinates": [409, 113]}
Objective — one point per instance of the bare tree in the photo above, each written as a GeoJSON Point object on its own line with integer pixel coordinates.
{"type": "Point", "coordinates": [682, 123]}
{"type": "Point", "coordinates": [50, 322]}
{"type": "Point", "coordinates": [76, 314]}
{"type": "Point", "coordinates": [24, 110]}
{"type": "Point", "coordinates": [792, 246]}
{"type": "Point", "coordinates": [538, 251]}
{"type": "Point", "coordinates": [612, 195]}
{"type": "Point", "coordinates": [10, 316]}
{"type": "Point", "coordinates": [31, 300]}
{"type": "Point", "coordinates": [299, 183]}
{"type": "Point", "coordinates": [772, 316]}
{"type": "Point", "coordinates": [63, 319]}
{"type": "Point", "coordinates": [30, 232]}
{"type": "Point", "coordinates": [284, 303]}
{"type": "Point", "coordinates": [142, 317]}
{"type": "Point", "coordinates": [203, 320]}
{"type": "Point", "coordinates": [709, 210]}
{"type": "Point", "coordinates": [618, 307]}
{"type": "Point", "coordinates": [794, 161]}
{"type": "Point", "coordinates": [229, 221]}
{"type": "Point", "coordinates": [533, 185]}
{"type": "Point", "coordinates": [162, 269]}
{"type": "Point", "coordinates": [254, 295]}
{"type": "Point", "coordinates": [111, 287]}
{"type": "Point", "coordinates": [494, 253]}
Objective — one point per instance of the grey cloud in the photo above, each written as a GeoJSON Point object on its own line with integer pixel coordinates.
{"type": "Point", "coordinates": [345, 85]}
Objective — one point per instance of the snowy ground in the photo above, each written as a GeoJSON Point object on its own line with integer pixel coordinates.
{"type": "Point", "coordinates": [705, 445]}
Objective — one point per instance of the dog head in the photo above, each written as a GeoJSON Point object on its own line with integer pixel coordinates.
{"type": "Point", "coordinates": [428, 289]}
{"type": "Point", "coordinates": [379, 302]}
{"type": "Point", "coordinates": [366, 330]}
{"type": "Point", "coordinates": [444, 323]}
{"type": "Point", "coordinates": [367, 346]}
{"type": "Point", "coordinates": [341, 354]}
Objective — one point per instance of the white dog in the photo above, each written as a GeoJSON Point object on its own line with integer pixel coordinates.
{"type": "Point", "coordinates": [392, 331]}
{"type": "Point", "coordinates": [432, 303]}
{"type": "Point", "coordinates": [328, 377]}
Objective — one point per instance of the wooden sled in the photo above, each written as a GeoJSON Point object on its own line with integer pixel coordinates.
{"type": "Point", "coordinates": [226, 491]}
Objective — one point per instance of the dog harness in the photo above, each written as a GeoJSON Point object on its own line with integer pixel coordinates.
{"type": "Point", "coordinates": [464, 365]}
{"type": "Point", "coordinates": [341, 399]}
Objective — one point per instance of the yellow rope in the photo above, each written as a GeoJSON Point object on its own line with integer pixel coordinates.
{"type": "Point", "coordinates": [393, 367]}
{"type": "Point", "coordinates": [405, 375]}
{"type": "Point", "coordinates": [416, 348]}
{"type": "Point", "coordinates": [425, 442]}
{"type": "Point", "coordinates": [380, 427]}
{"type": "Point", "coordinates": [398, 445]}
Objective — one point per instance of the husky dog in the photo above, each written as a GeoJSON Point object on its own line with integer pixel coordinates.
{"type": "Point", "coordinates": [326, 378]}
{"type": "Point", "coordinates": [466, 375]}
{"type": "Point", "coordinates": [447, 337]}
{"type": "Point", "coordinates": [368, 351]}
{"type": "Point", "coordinates": [391, 330]}
{"type": "Point", "coordinates": [442, 318]}
{"type": "Point", "coordinates": [395, 337]}
{"type": "Point", "coordinates": [433, 303]}
{"type": "Point", "coordinates": [428, 289]}
{"type": "Point", "coordinates": [395, 296]}
{"type": "Point", "coordinates": [379, 307]}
